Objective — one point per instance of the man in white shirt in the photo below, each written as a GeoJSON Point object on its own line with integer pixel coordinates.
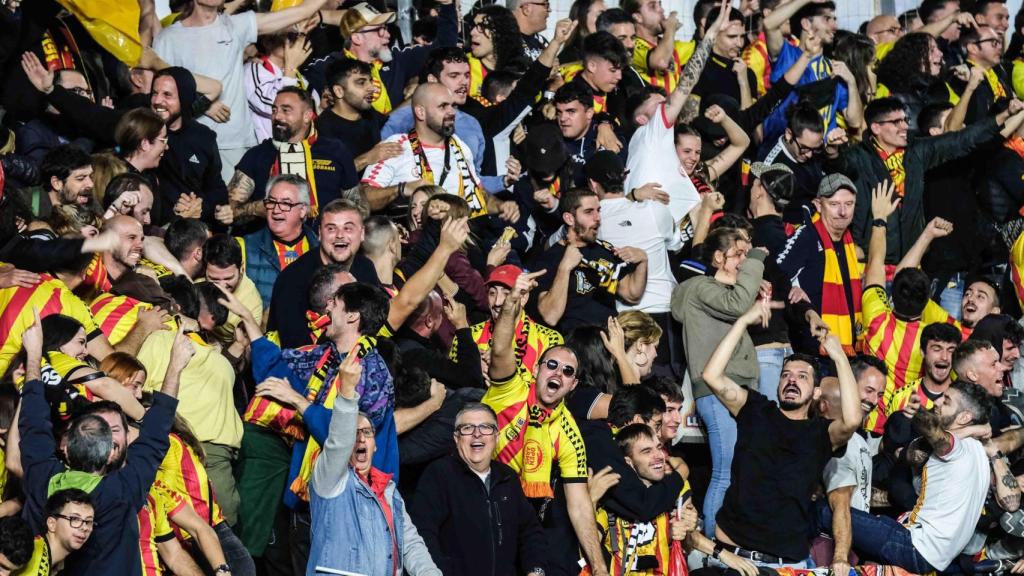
{"type": "Point", "coordinates": [647, 225]}
{"type": "Point", "coordinates": [211, 43]}
{"type": "Point", "coordinates": [954, 484]}
{"type": "Point", "coordinates": [848, 477]}
{"type": "Point", "coordinates": [432, 154]}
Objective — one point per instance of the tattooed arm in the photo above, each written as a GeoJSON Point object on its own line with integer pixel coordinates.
{"type": "Point", "coordinates": [680, 97]}
{"type": "Point", "coordinates": [240, 189]}
{"type": "Point", "coordinates": [1006, 487]}
{"type": "Point", "coordinates": [929, 425]}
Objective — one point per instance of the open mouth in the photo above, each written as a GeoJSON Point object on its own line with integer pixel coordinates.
{"type": "Point", "coordinates": [791, 392]}
{"type": "Point", "coordinates": [362, 454]}
{"type": "Point", "coordinates": [476, 445]}
{"type": "Point", "coordinates": [970, 308]}
{"type": "Point", "coordinates": [553, 385]}
{"type": "Point", "coordinates": [341, 245]}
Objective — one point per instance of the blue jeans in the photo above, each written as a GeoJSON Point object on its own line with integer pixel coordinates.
{"type": "Point", "coordinates": [880, 538]}
{"type": "Point", "coordinates": [237, 556]}
{"type": "Point", "coordinates": [951, 295]}
{"type": "Point", "coordinates": [721, 429]}
{"type": "Point", "coordinates": [770, 361]}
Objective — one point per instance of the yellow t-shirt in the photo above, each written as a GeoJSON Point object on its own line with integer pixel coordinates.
{"type": "Point", "coordinates": [669, 77]}
{"type": "Point", "coordinates": [249, 296]}
{"type": "Point", "coordinates": [39, 563]}
{"type": "Point", "coordinates": [532, 339]}
{"type": "Point", "coordinates": [515, 402]}
{"type": "Point", "coordinates": [205, 398]}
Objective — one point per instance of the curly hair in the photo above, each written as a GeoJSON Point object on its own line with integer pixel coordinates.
{"type": "Point", "coordinates": [857, 51]}
{"type": "Point", "coordinates": [501, 26]}
{"type": "Point", "coordinates": [905, 68]}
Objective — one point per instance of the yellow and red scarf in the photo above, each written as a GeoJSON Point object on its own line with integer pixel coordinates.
{"type": "Point", "coordinates": [469, 188]}
{"type": "Point", "coordinates": [835, 309]}
{"type": "Point", "coordinates": [477, 74]}
{"type": "Point", "coordinates": [1017, 268]}
{"type": "Point", "coordinates": [894, 164]}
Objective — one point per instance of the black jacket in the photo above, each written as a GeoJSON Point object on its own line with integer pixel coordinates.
{"type": "Point", "coordinates": [863, 165]}
{"type": "Point", "coordinates": [473, 529]}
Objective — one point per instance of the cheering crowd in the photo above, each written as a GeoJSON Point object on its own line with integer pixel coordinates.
{"type": "Point", "coordinates": [301, 287]}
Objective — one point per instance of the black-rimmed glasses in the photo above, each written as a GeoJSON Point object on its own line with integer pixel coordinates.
{"type": "Point", "coordinates": [77, 522]}
{"type": "Point", "coordinates": [470, 429]}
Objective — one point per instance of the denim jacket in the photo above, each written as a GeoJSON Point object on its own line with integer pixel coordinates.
{"type": "Point", "coordinates": [350, 531]}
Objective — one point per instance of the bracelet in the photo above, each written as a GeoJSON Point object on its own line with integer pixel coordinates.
{"type": "Point", "coordinates": [997, 456]}
{"type": "Point", "coordinates": [222, 569]}
{"type": "Point", "coordinates": [718, 549]}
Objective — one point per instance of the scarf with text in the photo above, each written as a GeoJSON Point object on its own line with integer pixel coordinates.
{"type": "Point", "coordinates": [842, 321]}
{"type": "Point", "coordinates": [296, 158]}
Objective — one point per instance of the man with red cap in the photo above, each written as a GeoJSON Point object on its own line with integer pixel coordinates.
{"type": "Point", "coordinates": [531, 337]}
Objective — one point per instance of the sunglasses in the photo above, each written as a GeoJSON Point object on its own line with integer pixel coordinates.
{"type": "Point", "coordinates": [567, 370]}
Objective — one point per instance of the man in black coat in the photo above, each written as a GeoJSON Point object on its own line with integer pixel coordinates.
{"type": "Point", "coordinates": [471, 511]}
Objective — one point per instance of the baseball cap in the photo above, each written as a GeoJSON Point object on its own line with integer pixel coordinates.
{"type": "Point", "coordinates": [505, 275]}
{"type": "Point", "coordinates": [362, 15]}
{"type": "Point", "coordinates": [777, 179]}
{"type": "Point", "coordinates": [833, 183]}
{"type": "Point", "coordinates": [543, 150]}
{"type": "Point", "coordinates": [606, 168]}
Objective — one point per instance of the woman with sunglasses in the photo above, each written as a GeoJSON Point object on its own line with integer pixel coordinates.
{"type": "Point", "coordinates": [707, 306]}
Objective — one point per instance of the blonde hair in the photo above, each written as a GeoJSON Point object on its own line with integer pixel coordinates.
{"type": "Point", "coordinates": [105, 167]}
{"type": "Point", "coordinates": [457, 208]}
{"type": "Point", "coordinates": [69, 219]}
{"type": "Point", "coordinates": [638, 327]}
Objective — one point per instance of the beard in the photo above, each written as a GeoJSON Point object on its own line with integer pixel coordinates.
{"type": "Point", "coordinates": [787, 406]}
{"type": "Point", "coordinates": [282, 132]}
{"type": "Point", "coordinates": [383, 54]}
{"type": "Point", "coordinates": [444, 129]}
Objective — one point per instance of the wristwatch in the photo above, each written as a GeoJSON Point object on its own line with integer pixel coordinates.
{"type": "Point", "coordinates": [879, 223]}
{"type": "Point", "coordinates": [719, 548]}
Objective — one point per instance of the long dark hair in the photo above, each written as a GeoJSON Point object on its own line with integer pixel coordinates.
{"type": "Point", "coordinates": [857, 51]}
{"type": "Point", "coordinates": [58, 330]}
{"type": "Point", "coordinates": [504, 32]}
{"type": "Point", "coordinates": [595, 365]}
{"type": "Point", "coordinates": [904, 69]}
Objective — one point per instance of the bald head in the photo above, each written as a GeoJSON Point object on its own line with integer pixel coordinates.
{"type": "Point", "coordinates": [433, 104]}
{"type": "Point", "coordinates": [129, 249]}
{"type": "Point", "coordinates": [883, 29]}
{"type": "Point", "coordinates": [828, 401]}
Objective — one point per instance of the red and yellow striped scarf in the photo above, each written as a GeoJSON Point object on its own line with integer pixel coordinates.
{"type": "Point", "coordinates": [1017, 269]}
{"type": "Point", "coordinates": [835, 309]}
{"type": "Point", "coordinates": [894, 164]}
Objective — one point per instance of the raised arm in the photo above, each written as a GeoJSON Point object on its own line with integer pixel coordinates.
{"type": "Point", "coordinates": [694, 67]}
{"type": "Point", "coordinates": [331, 468]}
{"type": "Point", "coordinates": [738, 142]}
{"type": "Point", "coordinates": [935, 29]}
{"type": "Point", "coordinates": [659, 58]}
{"type": "Point", "coordinates": [883, 204]}
{"type": "Point", "coordinates": [731, 394]}
{"type": "Point", "coordinates": [503, 351]}
{"type": "Point", "coordinates": [453, 236]}
{"type": "Point", "coordinates": [551, 304]}
{"type": "Point", "coordinates": [937, 228]}
{"type": "Point", "coordinates": [272, 22]}
{"type": "Point", "coordinates": [773, 25]}
{"type": "Point", "coordinates": [854, 111]}
{"type": "Point", "coordinates": [957, 116]}
{"type": "Point", "coordinates": [839, 431]}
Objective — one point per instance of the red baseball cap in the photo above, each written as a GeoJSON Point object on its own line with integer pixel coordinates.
{"type": "Point", "coordinates": [505, 275]}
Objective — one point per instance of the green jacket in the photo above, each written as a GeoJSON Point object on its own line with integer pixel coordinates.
{"type": "Point", "coordinates": [707, 309]}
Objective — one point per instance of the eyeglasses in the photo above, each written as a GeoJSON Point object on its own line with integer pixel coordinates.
{"type": "Point", "coordinates": [801, 149]}
{"type": "Point", "coordinates": [902, 120]}
{"type": "Point", "coordinates": [567, 370]}
{"type": "Point", "coordinates": [77, 522]}
{"type": "Point", "coordinates": [995, 42]}
{"type": "Point", "coordinates": [162, 139]}
{"type": "Point", "coordinates": [364, 432]}
{"type": "Point", "coordinates": [270, 204]}
{"type": "Point", "coordinates": [81, 91]}
{"type": "Point", "coordinates": [544, 4]}
{"type": "Point", "coordinates": [374, 30]}
{"type": "Point", "coordinates": [470, 429]}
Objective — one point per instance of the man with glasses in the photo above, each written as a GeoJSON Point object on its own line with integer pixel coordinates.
{"type": "Point", "coordinates": [69, 523]}
{"type": "Point", "coordinates": [295, 148]}
{"type": "Point", "coordinates": [471, 511]}
{"type": "Point", "coordinates": [538, 437]}
{"type": "Point", "coordinates": [984, 49]}
{"type": "Point", "coordinates": [367, 39]}
{"type": "Point", "coordinates": [286, 237]}
{"type": "Point", "coordinates": [799, 149]}
{"type": "Point", "coordinates": [532, 18]}
{"type": "Point", "coordinates": [886, 153]}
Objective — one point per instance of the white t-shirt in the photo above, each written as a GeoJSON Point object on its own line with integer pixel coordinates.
{"type": "Point", "coordinates": [953, 489]}
{"type": "Point", "coordinates": [652, 158]}
{"type": "Point", "coordinates": [406, 168]}
{"type": "Point", "coordinates": [216, 51]}
{"type": "Point", "coordinates": [646, 225]}
{"type": "Point", "coordinates": [853, 469]}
